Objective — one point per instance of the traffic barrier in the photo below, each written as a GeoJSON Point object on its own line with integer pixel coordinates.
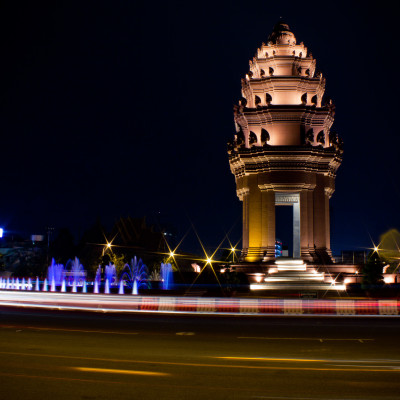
{"type": "Point", "coordinates": [149, 304]}
{"type": "Point", "coordinates": [274, 306]}
{"type": "Point", "coordinates": [227, 305]}
{"type": "Point", "coordinates": [293, 307]}
{"type": "Point", "coordinates": [166, 304]}
{"type": "Point", "coordinates": [324, 307]}
{"type": "Point", "coordinates": [366, 307]}
{"type": "Point", "coordinates": [388, 307]}
{"type": "Point", "coordinates": [206, 305]}
{"type": "Point", "coordinates": [187, 305]}
{"type": "Point", "coordinates": [345, 307]}
{"type": "Point", "coordinates": [249, 306]}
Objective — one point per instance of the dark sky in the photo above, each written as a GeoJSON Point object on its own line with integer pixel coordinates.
{"type": "Point", "coordinates": [117, 108]}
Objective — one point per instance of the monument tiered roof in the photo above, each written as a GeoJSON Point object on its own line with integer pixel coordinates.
{"type": "Point", "coordinates": [283, 97]}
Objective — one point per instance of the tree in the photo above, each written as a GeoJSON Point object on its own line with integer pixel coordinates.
{"type": "Point", "coordinates": [2, 265]}
{"type": "Point", "coordinates": [62, 248]}
{"type": "Point", "coordinates": [90, 247]}
{"type": "Point", "coordinates": [119, 261]}
{"type": "Point", "coordinates": [372, 270]}
{"type": "Point", "coordinates": [27, 262]}
{"type": "Point", "coordinates": [389, 249]}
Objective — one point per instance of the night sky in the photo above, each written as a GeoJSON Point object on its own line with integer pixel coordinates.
{"type": "Point", "coordinates": [117, 108]}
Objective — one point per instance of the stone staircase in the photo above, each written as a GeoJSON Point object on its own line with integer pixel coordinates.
{"type": "Point", "coordinates": [294, 274]}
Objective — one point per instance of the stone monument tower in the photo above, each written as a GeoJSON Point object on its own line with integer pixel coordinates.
{"type": "Point", "coordinates": [284, 152]}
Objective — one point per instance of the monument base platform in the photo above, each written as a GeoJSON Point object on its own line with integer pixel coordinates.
{"type": "Point", "coordinates": [288, 274]}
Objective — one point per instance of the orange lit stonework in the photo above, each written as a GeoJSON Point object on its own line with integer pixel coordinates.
{"type": "Point", "coordinates": [284, 149]}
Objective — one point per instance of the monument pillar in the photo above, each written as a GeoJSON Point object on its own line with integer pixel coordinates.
{"type": "Point", "coordinates": [296, 229]}
{"type": "Point", "coordinates": [321, 222]}
{"type": "Point", "coordinates": [306, 218]}
{"type": "Point", "coordinates": [268, 224]}
{"type": "Point", "coordinates": [254, 206]}
{"type": "Point", "coordinates": [244, 196]}
{"type": "Point", "coordinates": [310, 224]}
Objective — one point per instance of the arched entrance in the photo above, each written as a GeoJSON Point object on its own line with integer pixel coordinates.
{"type": "Point", "coordinates": [291, 200]}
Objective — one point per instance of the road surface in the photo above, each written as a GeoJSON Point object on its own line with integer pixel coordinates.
{"type": "Point", "coordinates": [65, 355]}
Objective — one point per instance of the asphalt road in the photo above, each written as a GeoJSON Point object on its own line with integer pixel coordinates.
{"type": "Point", "coordinates": [61, 355]}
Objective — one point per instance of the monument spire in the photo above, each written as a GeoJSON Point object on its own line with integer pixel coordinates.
{"type": "Point", "coordinates": [281, 34]}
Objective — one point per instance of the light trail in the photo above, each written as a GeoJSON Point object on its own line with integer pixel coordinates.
{"type": "Point", "coordinates": [35, 328]}
{"type": "Point", "coordinates": [118, 371]}
{"type": "Point", "coordinates": [321, 360]}
{"type": "Point", "coordinates": [327, 368]}
{"type": "Point", "coordinates": [268, 359]}
{"type": "Point", "coordinates": [57, 378]}
{"type": "Point", "coordinates": [294, 338]}
{"type": "Point", "coordinates": [197, 305]}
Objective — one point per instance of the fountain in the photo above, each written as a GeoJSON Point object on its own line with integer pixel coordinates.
{"type": "Point", "coordinates": [110, 274]}
{"type": "Point", "coordinates": [134, 276]}
{"type": "Point", "coordinates": [135, 273]}
{"type": "Point", "coordinates": [98, 275]}
{"type": "Point", "coordinates": [75, 272]}
{"type": "Point", "coordinates": [167, 277]}
{"type": "Point", "coordinates": [135, 288]}
{"type": "Point", "coordinates": [107, 287]}
{"type": "Point", "coordinates": [96, 287]}
{"type": "Point", "coordinates": [121, 287]}
{"type": "Point", "coordinates": [55, 272]}
{"type": "Point", "coordinates": [53, 285]}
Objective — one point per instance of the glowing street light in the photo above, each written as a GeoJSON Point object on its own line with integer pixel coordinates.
{"type": "Point", "coordinates": [107, 246]}
{"type": "Point", "coordinates": [233, 252]}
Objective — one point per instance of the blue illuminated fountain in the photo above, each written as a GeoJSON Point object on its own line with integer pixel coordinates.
{"type": "Point", "coordinates": [97, 281]}
{"type": "Point", "coordinates": [110, 274]}
{"type": "Point", "coordinates": [135, 274]}
{"type": "Point", "coordinates": [98, 275]}
{"type": "Point", "coordinates": [167, 277]}
{"type": "Point", "coordinates": [55, 273]}
{"type": "Point", "coordinates": [75, 272]}
{"type": "Point", "coordinates": [72, 278]}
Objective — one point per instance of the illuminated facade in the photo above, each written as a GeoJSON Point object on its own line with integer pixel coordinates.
{"type": "Point", "coordinates": [284, 152]}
